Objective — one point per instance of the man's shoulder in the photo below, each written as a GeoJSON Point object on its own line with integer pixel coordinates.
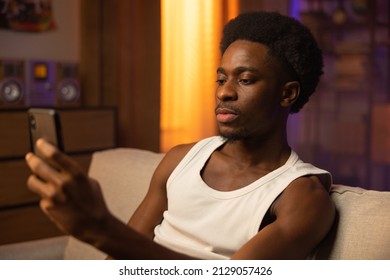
{"type": "Point", "coordinates": [183, 152]}
{"type": "Point", "coordinates": [309, 189]}
{"type": "Point", "coordinates": [179, 151]}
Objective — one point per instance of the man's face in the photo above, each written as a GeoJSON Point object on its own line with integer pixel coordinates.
{"type": "Point", "coordinates": [249, 91]}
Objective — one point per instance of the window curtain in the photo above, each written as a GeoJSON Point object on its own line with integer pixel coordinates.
{"type": "Point", "coordinates": [190, 35]}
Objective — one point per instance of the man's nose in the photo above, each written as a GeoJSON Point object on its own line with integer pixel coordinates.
{"type": "Point", "coordinates": [227, 91]}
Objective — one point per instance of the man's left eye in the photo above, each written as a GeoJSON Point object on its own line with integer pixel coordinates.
{"type": "Point", "coordinates": [245, 81]}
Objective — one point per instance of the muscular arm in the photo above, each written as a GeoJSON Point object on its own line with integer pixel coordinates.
{"type": "Point", "coordinates": [304, 214]}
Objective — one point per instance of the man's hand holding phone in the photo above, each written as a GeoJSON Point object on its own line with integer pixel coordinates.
{"type": "Point", "coordinates": [68, 196]}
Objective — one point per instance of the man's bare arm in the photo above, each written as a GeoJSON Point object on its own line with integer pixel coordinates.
{"type": "Point", "coordinates": [304, 215]}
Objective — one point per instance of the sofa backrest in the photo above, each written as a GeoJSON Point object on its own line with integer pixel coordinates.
{"type": "Point", "coordinates": [362, 227]}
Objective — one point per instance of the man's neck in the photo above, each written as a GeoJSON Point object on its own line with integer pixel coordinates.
{"type": "Point", "coordinates": [270, 152]}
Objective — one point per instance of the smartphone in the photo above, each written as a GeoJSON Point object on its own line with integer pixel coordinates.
{"type": "Point", "coordinates": [44, 123]}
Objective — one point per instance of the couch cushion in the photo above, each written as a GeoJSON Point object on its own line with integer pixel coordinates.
{"type": "Point", "coordinates": [362, 228]}
{"type": "Point", "coordinates": [124, 175]}
{"type": "Point", "coordinates": [42, 249]}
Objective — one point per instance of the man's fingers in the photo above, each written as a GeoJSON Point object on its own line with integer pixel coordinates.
{"type": "Point", "coordinates": [43, 189]}
{"type": "Point", "coordinates": [37, 186]}
{"type": "Point", "coordinates": [52, 153]}
{"type": "Point", "coordinates": [43, 170]}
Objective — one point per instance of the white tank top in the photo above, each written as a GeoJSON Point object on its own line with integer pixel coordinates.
{"type": "Point", "coordinates": [209, 224]}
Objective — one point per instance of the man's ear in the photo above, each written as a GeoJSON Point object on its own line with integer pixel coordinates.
{"type": "Point", "coordinates": [290, 93]}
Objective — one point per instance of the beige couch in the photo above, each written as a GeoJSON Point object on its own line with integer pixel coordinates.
{"type": "Point", "coordinates": [362, 230]}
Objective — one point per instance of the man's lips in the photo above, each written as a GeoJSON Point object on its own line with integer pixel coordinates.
{"type": "Point", "coordinates": [225, 115]}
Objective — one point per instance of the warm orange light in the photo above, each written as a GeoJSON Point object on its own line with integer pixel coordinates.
{"type": "Point", "coordinates": [190, 34]}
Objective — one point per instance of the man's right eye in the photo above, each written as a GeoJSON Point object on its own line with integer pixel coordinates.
{"type": "Point", "coordinates": [220, 82]}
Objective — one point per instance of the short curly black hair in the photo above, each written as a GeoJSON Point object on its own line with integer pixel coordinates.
{"type": "Point", "coordinates": [288, 40]}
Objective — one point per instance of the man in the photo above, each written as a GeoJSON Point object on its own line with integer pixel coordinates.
{"type": "Point", "coordinates": [241, 195]}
